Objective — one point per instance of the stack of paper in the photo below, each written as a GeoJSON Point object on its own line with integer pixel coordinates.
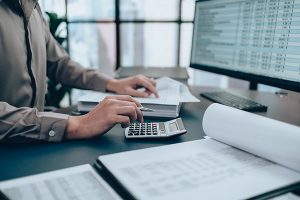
{"type": "Point", "coordinates": [171, 94]}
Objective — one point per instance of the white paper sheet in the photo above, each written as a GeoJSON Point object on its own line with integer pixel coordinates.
{"type": "Point", "coordinates": [183, 93]}
{"type": "Point", "coordinates": [264, 137]}
{"type": "Point", "coordinates": [288, 196]}
{"type": "Point", "coordinates": [171, 92]}
{"type": "Point", "coordinates": [202, 169]}
{"type": "Point", "coordinates": [78, 183]}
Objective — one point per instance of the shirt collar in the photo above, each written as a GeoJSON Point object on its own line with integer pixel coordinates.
{"type": "Point", "coordinates": [27, 6]}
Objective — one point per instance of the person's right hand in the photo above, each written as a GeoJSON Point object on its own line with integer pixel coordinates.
{"type": "Point", "coordinates": [112, 110]}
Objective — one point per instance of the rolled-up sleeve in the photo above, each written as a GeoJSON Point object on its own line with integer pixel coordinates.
{"type": "Point", "coordinates": [68, 72]}
{"type": "Point", "coordinates": [20, 124]}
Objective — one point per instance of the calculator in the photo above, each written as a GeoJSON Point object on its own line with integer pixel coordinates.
{"type": "Point", "coordinates": [155, 129]}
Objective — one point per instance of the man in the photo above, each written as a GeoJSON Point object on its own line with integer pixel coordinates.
{"type": "Point", "coordinates": [28, 53]}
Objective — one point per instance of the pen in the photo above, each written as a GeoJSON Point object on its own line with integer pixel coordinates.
{"type": "Point", "coordinates": [146, 109]}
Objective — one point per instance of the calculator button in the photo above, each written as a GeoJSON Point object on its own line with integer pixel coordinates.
{"type": "Point", "coordinates": [162, 126]}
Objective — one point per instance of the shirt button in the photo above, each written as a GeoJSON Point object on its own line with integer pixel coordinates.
{"type": "Point", "coordinates": [51, 133]}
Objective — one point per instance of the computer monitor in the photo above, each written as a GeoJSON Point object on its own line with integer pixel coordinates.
{"type": "Point", "coordinates": [254, 40]}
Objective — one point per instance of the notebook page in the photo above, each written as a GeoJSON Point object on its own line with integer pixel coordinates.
{"type": "Point", "coordinates": [264, 137]}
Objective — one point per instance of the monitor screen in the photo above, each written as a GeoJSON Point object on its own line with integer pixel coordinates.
{"type": "Point", "coordinates": [255, 40]}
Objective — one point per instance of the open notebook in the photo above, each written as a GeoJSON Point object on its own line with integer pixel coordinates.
{"type": "Point", "coordinates": [248, 156]}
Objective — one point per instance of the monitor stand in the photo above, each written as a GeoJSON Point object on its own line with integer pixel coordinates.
{"type": "Point", "coordinates": [253, 85]}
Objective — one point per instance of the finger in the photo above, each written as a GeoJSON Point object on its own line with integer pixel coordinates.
{"type": "Point", "coordinates": [138, 93]}
{"type": "Point", "coordinates": [152, 80]}
{"type": "Point", "coordinates": [131, 110]}
{"type": "Point", "coordinates": [140, 117]}
{"type": "Point", "coordinates": [148, 92]}
{"type": "Point", "coordinates": [127, 98]}
{"type": "Point", "coordinates": [148, 85]}
{"type": "Point", "coordinates": [123, 120]}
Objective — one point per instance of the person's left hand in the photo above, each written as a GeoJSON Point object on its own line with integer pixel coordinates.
{"type": "Point", "coordinates": [132, 86]}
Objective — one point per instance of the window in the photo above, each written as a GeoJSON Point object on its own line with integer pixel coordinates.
{"type": "Point", "coordinates": [108, 34]}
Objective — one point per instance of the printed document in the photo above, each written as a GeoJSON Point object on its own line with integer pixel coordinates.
{"type": "Point", "coordinates": [202, 169]}
{"type": "Point", "coordinates": [260, 155]}
{"type": "Point", "coordinates": [264, 137]}
{"type": "Point", "coordinates": [79, 183]}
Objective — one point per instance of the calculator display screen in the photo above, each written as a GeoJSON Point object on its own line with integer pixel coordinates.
{"type": "Point", "coordinates": [173, 127]}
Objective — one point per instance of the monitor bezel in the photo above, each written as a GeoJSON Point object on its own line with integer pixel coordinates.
{"type": "Point", "coordinates": [272, 81]}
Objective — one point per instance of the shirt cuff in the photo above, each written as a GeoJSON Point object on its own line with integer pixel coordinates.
{"type": "Point", "coordinates": [100, 82]}
{"type": "Point", "coordinates": [53, 126]}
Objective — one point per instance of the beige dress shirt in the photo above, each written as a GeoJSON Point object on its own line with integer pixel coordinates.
{"type": "Point", "coordinates": [28, 54]}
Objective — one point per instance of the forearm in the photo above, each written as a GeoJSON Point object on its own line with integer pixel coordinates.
{"type": "Point", "coordinates": [21, 124]}
{"type": "Point", "coordinates": [71, 73]}
{"type": "Point", "coordinates": [68, 72]}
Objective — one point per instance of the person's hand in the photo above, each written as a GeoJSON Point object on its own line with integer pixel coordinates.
{"type": "Point", "coordinates": [132, 86]}
{"type": "Point", "coordinates": [114, 110]}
